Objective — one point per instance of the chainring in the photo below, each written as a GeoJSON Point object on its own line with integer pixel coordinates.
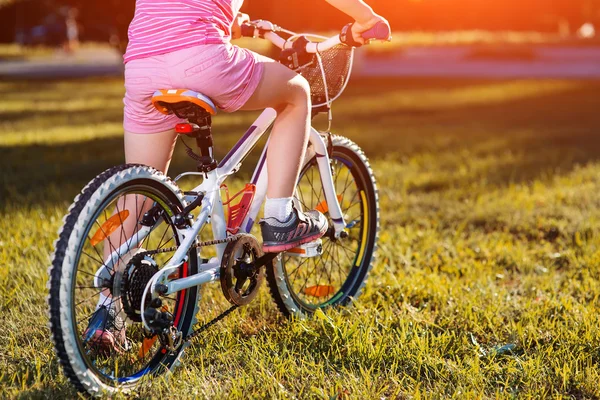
{"type": "Point", "coordinates": [138, 272]}
{"type": "Point", "coordinates": [240, 278]}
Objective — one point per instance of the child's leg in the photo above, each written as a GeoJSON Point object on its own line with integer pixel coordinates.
{"type": "Point", "coordinates": [154, 150]}
{"type": "Point", "coordinates": [289, 94]}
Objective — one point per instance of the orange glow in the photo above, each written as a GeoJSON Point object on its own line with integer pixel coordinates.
{"type": "Point", "coordinates": [319, 290]}
{"type": "Point", "coordinates": [109, 227]}
{"type": "Point", "coordinates": [322, 206]}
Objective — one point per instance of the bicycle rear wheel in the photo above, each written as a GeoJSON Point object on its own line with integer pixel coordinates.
{"type": "Point", "coordinates": [299, 285]}
{"type": "Point", "coordinates": [100, 217]}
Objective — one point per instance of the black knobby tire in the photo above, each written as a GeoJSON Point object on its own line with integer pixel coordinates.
{"type": "Point", "coordinates": [354, 256]}
{"type": "Point", "coordinates": [63, 276]}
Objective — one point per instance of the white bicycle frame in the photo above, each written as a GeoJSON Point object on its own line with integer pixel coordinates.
{"type": "Point", "coordinates": [211, 209]}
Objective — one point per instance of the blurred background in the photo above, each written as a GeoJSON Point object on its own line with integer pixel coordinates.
{"type": "Point", "coordinates": [542, 38]}
{"type": "Point", "coordinates": [101, 19]}
{"type": "Point", "coordinates": [481, 122]}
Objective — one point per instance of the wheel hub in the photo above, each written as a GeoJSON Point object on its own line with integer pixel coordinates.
{"type": "Point", "coordinates": [136, 276]}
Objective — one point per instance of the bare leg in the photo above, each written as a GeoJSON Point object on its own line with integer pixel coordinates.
{"type": "Point", "coordinates": [154, 150]}
{"type": "Point", "coordinates": [288, 93]}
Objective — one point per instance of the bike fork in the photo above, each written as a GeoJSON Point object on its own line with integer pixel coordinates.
{"type": "Point", "coordinates": [320, 151]}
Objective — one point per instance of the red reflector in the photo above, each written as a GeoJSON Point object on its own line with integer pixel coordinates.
{"type": "Point", "coordinates": [184, 128]}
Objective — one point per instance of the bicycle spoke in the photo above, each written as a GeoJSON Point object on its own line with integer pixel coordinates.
{"type": "Point", "coordinates": [318, 269]}
{"type": "Point", "coordinates": [325, 275]}
{"type": "Point", "coordinates": [309, 274]}
{"type": "Point", "coordinates": [348, 175]}
{"type": "Point", "coordinates": [337, 172]}
{"type": "Point", "coordinates": [352, 202]}
{"type": "Point", "coordinates": [303, 202]}
{"type": "Point", "coordinates": [93, 258]}
{"type": "Point", "coordinates": [325, 269]}
{"type": "Point", "coordinates": [347, 183]}
{"type": "Point", "coordinates": [121, 230]}
{"type": "Point", "coordinates": [88, 273]}
{"type": "Point", "coordinates": [95, 249]}
{"type": "Point", "coordinates": [90, 297]}
{"type": "Point", "coordinates": [325, 259]}
{"type": "Point", "coordinates": [331, 271]}
{"type": "Point", "coordinates": [110, 245]}
{"type": "Point", "coordinates": [172, 238]}
{"type": "Point", "coordinates": [138, 217]}
{"type": "Point", "coordinates": [312, 187]}
{"type": "Point", "coordinates": [352, 252]}
{"type": "Point", "coordinates": [297, 268]}
{"type": "Point", "coordinates": [341, 272]}
{"type": "Point", "coordinates": [161, 239]}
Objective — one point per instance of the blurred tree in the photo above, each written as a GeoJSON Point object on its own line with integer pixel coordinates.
{"type": "Point", "coordinates": [107, 18]}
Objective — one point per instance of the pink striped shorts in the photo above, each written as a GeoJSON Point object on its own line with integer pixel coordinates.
{"type": "Point", "coordinates": [225, 73]}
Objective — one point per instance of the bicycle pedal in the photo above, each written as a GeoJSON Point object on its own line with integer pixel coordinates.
{"type": "Point", "coordinates": [307, 250]}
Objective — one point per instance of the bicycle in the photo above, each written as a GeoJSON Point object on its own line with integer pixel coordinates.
{"type": "Point", "coordinates": [153, 272]}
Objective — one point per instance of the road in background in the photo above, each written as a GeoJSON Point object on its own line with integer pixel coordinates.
{"type": "Point", "coordinates": [456, 61]}
{"type": "Point", "coordinates": [86, 62]}
{"type": "Point", "coordinates": [469, 62]}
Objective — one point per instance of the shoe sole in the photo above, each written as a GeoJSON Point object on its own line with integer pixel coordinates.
{"type": "Point", "coordinates": [271, 247]}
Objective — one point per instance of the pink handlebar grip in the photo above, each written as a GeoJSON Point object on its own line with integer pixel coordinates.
{"type": "Point", "coordinates": [381, 31]}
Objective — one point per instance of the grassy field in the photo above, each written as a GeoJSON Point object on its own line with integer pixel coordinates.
{"type": "Point", "coordinates": [487, 283]}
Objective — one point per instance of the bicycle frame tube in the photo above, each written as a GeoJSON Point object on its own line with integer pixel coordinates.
{"type": "Point", "coordinates": [233, 160]}
{"type": "Point", "coordinates": [212, 206]}
{"type": "Point", "coordinates": [318, 149]}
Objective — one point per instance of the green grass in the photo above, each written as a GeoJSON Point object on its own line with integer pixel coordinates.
{"type": "Point", "coordinates": [490, 202]}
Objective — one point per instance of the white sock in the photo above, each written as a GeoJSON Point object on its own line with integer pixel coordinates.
{"type": "Point", "coordinates": [104, 301]}
{"type": "Point", "coordinates": [279, 209]}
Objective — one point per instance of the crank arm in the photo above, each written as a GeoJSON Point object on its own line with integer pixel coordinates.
{"type": "Point", "coordinates": [265, 259]}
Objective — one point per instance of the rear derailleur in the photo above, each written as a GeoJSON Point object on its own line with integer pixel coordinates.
{"type": "Point", "coordinates": [161, 323]}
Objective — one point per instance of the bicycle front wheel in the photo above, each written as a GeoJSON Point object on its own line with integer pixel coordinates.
{"type": "Point", "coordinates": [300, 285]}
{"type": "Point", "coordinates": [95, 309]}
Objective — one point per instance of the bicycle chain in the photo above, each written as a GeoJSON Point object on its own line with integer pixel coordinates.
{"type": "Point", "coordinates": [219, 317]}
{"type": "Point", "coordinates": [197, 246]}
{"type": "Point", "coordinates": [210, 323]}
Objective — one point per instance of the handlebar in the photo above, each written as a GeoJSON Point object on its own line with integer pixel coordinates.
{"type": "Point", "coordinates": [381, 31]}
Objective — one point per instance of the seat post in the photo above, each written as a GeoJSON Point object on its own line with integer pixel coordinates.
{"type": "Point", "coordinates": [197, 109]}
{"type": "Point", "coordinates": [204, 141]}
